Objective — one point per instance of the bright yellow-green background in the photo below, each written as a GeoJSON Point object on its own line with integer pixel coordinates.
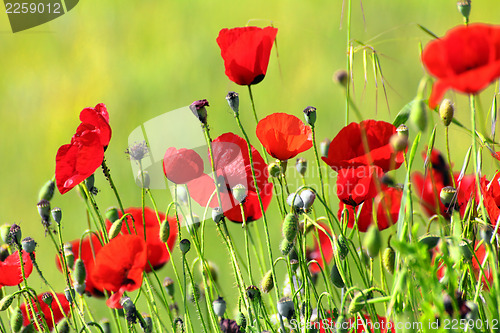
{"type": "Point", "coordinates": [145, 58]}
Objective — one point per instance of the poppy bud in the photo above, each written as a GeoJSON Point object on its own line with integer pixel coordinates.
{"type": "Point", "coordinates": [341, 77]}
{"type": "Point", "coordinates": [290, 227]}
{"type": "Point", "coordinates": [15, 234]}
{"type": "Point", "coordinates": [4, 232]}
{"type": "Point", "coordinates": [253, 293]}
{"type": "Point", "coordinates": [16, 320]}
{"type": "Point", "coordinates": [148, 323]}
{"type": "Point", "coordinates": [112, 214]}
{"type": "Point", "coordinates": [324, 147]}
{"type": "Point", "coordinates": [241, 320]}
{"type": "Point", "coordinates": [357, 303]}
{"type": "Point", "coordinates": [335, 277]}
{"type": "Point", "coordinates": [217, 215]}
{"type": "Point", "coordinates": [4, 253]}
{"type": "Point", "coordinates": [80, 272]}
{"type": "Point", "coordinates": [373, 241]}
{"type": "Point", "coordinates": [57, 214]}
{"type": "Point", "coordinates": [143, 178]}
{"type": "Point", "coordinates": [6, 302]}
{"type": "Point", "coordinates": [446, 112]}
{"type": "Point", "coordinates": [308, 198]}
{"type": "Point", "coordinates": [47, 191]}
{"type": "Point", "coordinates": [274, 169]}
{"type": "Point", "coordinates": [80, 288]}
{"type": "Point", "coordinates": [402, 130]}
{"type": "Point", "coordinates": [185, 245]}
{"type": "Point", "coordinates": [115, 229]}
{"type": "Point", "coordinates": [199, 110]}
{"type": "Point", "coordinates": [418, 114]}
{"type": "Point", "coordinates": [44, 209]}
{"type": "Point", "coordinates": [295, 200]}
{"type": "Point", "coordinates": [464, 9]}
{"type": "Point", "coordinates": [194, 292]}
{"type": "Point", "coordinates": [105, 325]}
{"type": "Point", "coordinates": [239, 192]}
{"type": "Point", "coordinates": [342, 325]}
{"type": "Point", "coordinates": [233, 99]}
{"type": "Point", "coordinates": [164, 230]}
{"type": "Point", "coordinates": [301, 166]}
{"type": "Point", "coordinates": [69, 293]}
{"type": "Point", "coordinates": [286, 246]}
{"type": "Point", "coordinates": [47, 298]}
{"type": "Point", "coordinates": [219, 306]}
{"type": "Point", "coordinates": [294, 263]}
{"type": "Point", "coordinates": [168, 283]}
{"type": "Point", "coordinates": [389, 259]}
{"type": "Point", "coordinates": [398, 142]}
{"type": "Point", "coordinates": [89, 183]}
{"type": "Point", "coordinates": [286, 308]}
{"type": "Point", "coordinates": [63, 326]}
{"type": "Point", "coordinates": [310, 115]}
{"type": "Point", "coordinates": [28, 244]}
{"type": "Point", "coordinates": [447, 195]}
{"type": "Point", "coordinates": [486, 233]}
{"type": "Point", "coordinates": [267, 282]}
{"type": "Point", "coordinates": [342, 247]}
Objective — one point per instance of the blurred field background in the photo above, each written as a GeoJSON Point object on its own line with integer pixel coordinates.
{"type": "Point", "coordinates": [145, 58]}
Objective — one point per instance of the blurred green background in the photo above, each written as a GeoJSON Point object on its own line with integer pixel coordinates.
{"type": "Point", "coordinates": [145, 58]}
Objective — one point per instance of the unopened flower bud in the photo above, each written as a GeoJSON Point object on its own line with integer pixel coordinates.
{"type": "Point", "coordinates": [267, 282]}
{"type": "Point", "coordinates": [44, 209]}
{"type": "Point", "coordinates": [143, 178]}
{"type": "Point", "coordinates": [447, 195]}
{"type": "Point", "coordinates": [464, 7]}
{"type": "Point", "coordinates": [219, 306]}
{"type": "Point", "coordinates": [6, 302]}
{"type": "Point", "coordinates": [286, 308]}
{"type": "Point", "coordinates": [402, 130]}
{"type": "Point", "coordinates": [357, 303]}
{"type": "Point", "coordinates": [286, 246]}
{"type": "Point", "coordinates": [295, 200]}
{"type": "Point", "coordinates": [148, 322]}
{"type": "Point", "coordinates": [69, 256]}
{"type": "Point", "coordinates": [4, 232]}
{"type": "Point", "coordinates": [28, 244]}
{"type": "Point", "coordinates": [57, 214]}
{"type": "Point", "coordinates": [342, 249]}
{"type": "Point", "coordinates": [80, 271]}
{"type": "Point", "coordinates": [15, 234]}
{"type": "Point", "coordinates": [80, 288]}
{"type": "Point", "coordinates": [253, 293]}
{"type": "Point", "coordinates": [335, 277]}
{"type": "Point", "coordinates": [16, 320]}
{"type": "Point", "coordinates": [217, 214]}
{"type": "Point", "coordinates": [290, 227]}
{"type": "Point", "coordinates": [127, 304]}
{"type": "Point", "coordinates": [165, 230]}
{"type": "Point", "coordinates": [398, 142]}
{"type": "Point", "coordinates": [47, 191]}
{"type": "Point", "coordinates": [446, 112]}
{"type": "Point", "coordinates": [418, 114]}
{"type": "Point", "coordinates": [324, 147]}
{"type": "Point", "coordinates": [115, 229]}
{"type": "Point", "coordinates": [112, 214]}
{"type": "Point", "coordinates": [194, 292]}
{"type": "Point", "coordinates": [341, 77]}
{"type": "Point", "coordinates": [185, 245]}
{"type": "Point", "coordinates": [389, 259]}
{"type": "Point", "coordinates": [199, 110]}
{"type": "Point", "coordinates": [168, 283]}
{"type": "Point", "coordinates": [301, 166]}
{"type": "Point", "coordinates": [372, 241]}
{"type": "Point", "coordinates": [47, 298]}
{"type": "Point", "coordinates": [310, 115]}
{"type": "Point", "coordinates": [308, 198]}
{"type": "Point", "coordinates": [233, 99]}
{"type": "Point", "coordinates": [69, 293]}
{"type": "Point", "coordinates": [274, 169]}
{"type": "Point", "coordinates": [239, 192]}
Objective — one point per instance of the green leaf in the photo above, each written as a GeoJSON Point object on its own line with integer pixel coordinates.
{"type": "Point", "coordinates": [403, 114]}
{"type": "Point", "coordinates": [428, 31]}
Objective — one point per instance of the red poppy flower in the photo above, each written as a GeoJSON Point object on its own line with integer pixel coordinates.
{"type": "Point", "coordinates": [181, 166]}
{"type": "Point", "coordinates": [355, 185]}
{"type": "Point", "coordinates": [466, 59]}
{"type": "Point", "coordinates": [96, 119]}
{"type": "Point", "coordinates": [429, 187]}
{"type": "Point", "coordinates": [246, 53]}
{"type": "Point", "coordinates": [356, 325]}
{"type": "Point", "coordinates": [45, 310]}
{"type": "Point", "coordinates": [119, 266]}
{"type": "Point", "coordinates": [90, 247]}
{"type": "Point", "coordinates": [157, 252]}
{"type": "Point", "coordinates": [10, 269]}
{"type": "Point", "coordinates": [387, 207]}
{"type": "Point", "coordinates": [315, 254]}
{"type": "Point", "coordinates": [283, 135]}
{"type": "Point", "coordinates": [491, 197]}
{"type": "Point", "coordinates": [232, 165]}
{"type": "Point", "coordinates": [346, 149]}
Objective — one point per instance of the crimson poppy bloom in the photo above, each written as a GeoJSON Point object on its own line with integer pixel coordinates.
{"type": "Point", "coordinates": [232, 165]}
{"type": "Point", "coordinates": [45, 310]}
{"type": "Point", "coordinates": [355, 185]}
{"type": "Point", "coordinates": [119, 266]}
{"type": "Point", "coordinates": [156, 250]}
{"type": "Point", "coordinates": [347, 150]}
{"type": "Point", "coordinates": [428, 187]}
{"type": "Point", "coordinates": [284, 136]}
{"type": "Point", "coordinates": [90, 246]}
{"type": "Point", "coordinates": [181, 166]}
{"type": "Point", "coordinates": [386, 203]}
{"type": "Point", "coordinates": [466, 59]}
{"type": "Point", "coordinates": [491, 197]}
{"type": "Point", "coordinates": [246, 53]}
{"type": "Point", "coordinates": [96, 119]}
{"type": "Point", "coordinates": [10, 269]}
{"type": "Point", "coordinates": [355, 325]}
{"type": "Point", "coordinates": [315, 253]}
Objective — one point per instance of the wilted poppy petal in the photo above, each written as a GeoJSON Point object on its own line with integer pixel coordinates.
{"type": "Point", "coordinates": [181, 166]}
{"type": "Point", "coordinates": [10, 269]}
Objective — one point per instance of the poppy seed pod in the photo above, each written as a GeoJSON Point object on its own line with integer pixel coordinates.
{"type": "Point", "coordinates": [57, 214]}
{"type": "Point", "coordinates": [16, 320]}
{"type": "Point", "coordinates": [47, 298]}
{"type": "Point", "coordinates": [301, 166]}
{"type": "Point", "coordinates": [112, 214]}
{"type": "Point", "coordinates": [290, 227]}
{"type": "Point", "coordinates": [446, 111]}
{"type": "Point", "coordinates": [43, 207]}
{"type": "Point", "coordinates": [372, 241]}
{"type": "Point", "coordinates": [219, 306]}
{"type": "Point", "coordinates": [168, 283]}
{"type": "Point", "coordinates": [199, 110]}
{"type": "Point", "coordinates": [239, 192]}
{"type": "Point", "coordinates": [233, 100]}
{"type": "Point", "coordinates": [267, 282]}
{"type": "Point", "coordinates": [47, 191]}
{"type": "Point", "coordinates": [447, 194]}
{"type": "Point", "coordinates": [308, 198]}
{"type": "Point", "coordinates": [274, 169]}
{"type": "Point", "coordinates": [310, 115]}
{"type": "Point", "coordinates": [217, 214]}
{"type": "Point", "coordinates": [402, 130]}
{"type": "Point", "coordinates": [185, 245]}
{"type": "Point", "coordinates": [335, 277]}
{"type": "Point", "coordinates": [389, 259]}
{"type": "Point", "coordinates": [324, 147]}
{"type": "Point", "coordinates": [28, 244]}
{"type": "Point", "coordinates": [15, 234]}
{"type": "Point", "coordinates": [253, 293]}
{"type": "Point", "coordinates": [418, 114]}
{"type": "Point", "coordinates": [295, 200]}
{"type": "Point", "coordinates": [464, 7]}
{"type": "Point", "coordinates": [399, 142]}
{"type": "Point", "coordinates": [286, 246]}
{"type": "Point", "coordinates": [164, 231]}
{"type": "Point", "coordinates": [286, 307]}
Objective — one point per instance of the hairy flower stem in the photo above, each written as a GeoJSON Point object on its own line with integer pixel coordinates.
{"type": "Point", "coordinates": [448, 156]}
{"type": "Point", "coordinates": [107, 174]}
